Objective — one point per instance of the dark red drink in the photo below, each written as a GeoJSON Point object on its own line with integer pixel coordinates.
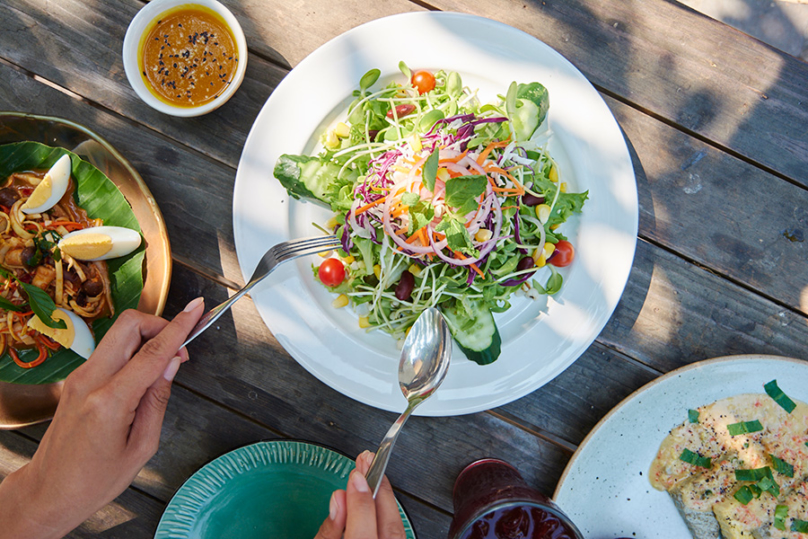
{"type": "Point", "coordinates": [492, 501]}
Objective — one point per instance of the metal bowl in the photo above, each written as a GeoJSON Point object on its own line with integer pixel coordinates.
{"type": "Point", "coordinates": [22, 405]}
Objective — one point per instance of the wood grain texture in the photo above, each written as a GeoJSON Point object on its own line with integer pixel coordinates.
{"type": "Point", "coordinates": [131, 515]}
{"type": "Point", "coordinates": [693, 71]}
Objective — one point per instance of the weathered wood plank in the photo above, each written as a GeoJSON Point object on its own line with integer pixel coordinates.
{"type": "Point", "coordinates": [242, 366]}
{"type": "Point", "coordinates": [130, 515]}
{"type": "Point", "coordinates": [666, 58]}
{"type": "Point", "coordinates": [196, 431]}
{"type": "Point", "coordinates": [718, 210]}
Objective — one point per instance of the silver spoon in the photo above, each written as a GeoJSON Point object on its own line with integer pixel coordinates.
{"type": "Point", "coordinates": [424, 362]}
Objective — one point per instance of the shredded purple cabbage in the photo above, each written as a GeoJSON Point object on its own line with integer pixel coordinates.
{"type": "Point", "coordinates": [516, 234]}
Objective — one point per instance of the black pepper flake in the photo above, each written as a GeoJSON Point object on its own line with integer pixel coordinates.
{"type": "Point", "coordinates": [180, 25]}
{"type": "Point", "coordinates": [157, 39]}
{"type": "Point", "coordinates": [144, 73]}
{"type": "Point", "coordinates": [161, 20]}
{"type": "Point", "coordinates": [175, 65]}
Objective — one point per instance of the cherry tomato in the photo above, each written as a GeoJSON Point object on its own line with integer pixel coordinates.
{"type": "Point", "coordinates": [331, 272]}
{"type": "Point", "coordinates": [401, 110]}
{"type": "Point", "coordinates": [563, 254]}
{"type": "Point", "coordinates": [424, 81]}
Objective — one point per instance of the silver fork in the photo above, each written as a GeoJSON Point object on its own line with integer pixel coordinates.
{"type": "Point", "coordinates": [280, 253]}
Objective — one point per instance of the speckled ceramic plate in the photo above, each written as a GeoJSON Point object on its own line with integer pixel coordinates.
{"type": "Point", "coordinates": [605, 488]}
{"type": "Point", "coordinates": [22, 405]}
{"type": "Point", "coordinates": [268, 489]}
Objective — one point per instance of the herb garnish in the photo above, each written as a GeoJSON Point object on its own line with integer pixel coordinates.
{"type": "Point", "coordinates": [782, 467]}
{"type": "Point", "coordinates": [780, 514]}
{"type": "Point", "coordinates": [744, 427]}
{"type": "Point", "coordinates": [693, 416]}
{"type": "Point", "coordinates": [774, 391]}
{"type": "Point", "coordinates": [42, 305]}
{"type": "Point", "coordinates": [695, 459]}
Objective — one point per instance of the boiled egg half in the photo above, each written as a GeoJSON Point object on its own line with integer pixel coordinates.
{"type": "Point", "coordinates": [99, 243]}
{"type": "Point", "coordinates": [76, 336]}
{"type": "Point", "coordinates": [51, 189]}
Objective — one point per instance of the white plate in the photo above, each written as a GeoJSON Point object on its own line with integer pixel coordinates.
{"type": "Point", "coordinates": [540, 339]}
{"type": "Point", "coordinates": [605, 488]}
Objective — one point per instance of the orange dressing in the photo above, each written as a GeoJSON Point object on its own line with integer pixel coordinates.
{"type": "Point", "coordinates": [189, 56]}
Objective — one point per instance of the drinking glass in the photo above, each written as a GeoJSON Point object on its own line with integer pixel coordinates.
{"type": "Point", "coordinates": [493, 501]}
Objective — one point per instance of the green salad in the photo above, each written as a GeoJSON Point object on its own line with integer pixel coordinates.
{"type": "Point", "coordinates": [439, 201]}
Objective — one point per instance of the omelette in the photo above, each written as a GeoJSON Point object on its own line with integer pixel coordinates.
{"type": "Point", "coordinates": [736, 469]}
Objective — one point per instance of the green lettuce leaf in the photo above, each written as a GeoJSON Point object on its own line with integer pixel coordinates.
{"type": "Point", "coordinates": [101, 200]}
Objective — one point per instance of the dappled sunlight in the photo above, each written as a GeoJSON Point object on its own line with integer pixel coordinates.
{"type": "Point", "coordinates": [107, 518]}
{"type": "Point", "coordinates": [804, 301]}
{"type": "Point", "coordinates": [661, 315]}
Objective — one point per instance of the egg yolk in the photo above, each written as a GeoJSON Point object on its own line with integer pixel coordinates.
{"type": "Point", "coordinates": [62, 336]}
{"type": "Point", "coordinates": [41, 194]}
{"type": "Point", "coordinates": [86, 246]}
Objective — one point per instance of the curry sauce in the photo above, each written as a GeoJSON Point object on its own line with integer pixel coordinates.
{"type": "Point", "coordinates": [189, 57]}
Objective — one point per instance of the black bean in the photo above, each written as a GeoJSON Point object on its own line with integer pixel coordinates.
{"type": "Point", "coordinates": [530, 200]}
{"type": "Point", "coordinates": [8, 197]}
{"type": "Point", "coordinates": [405, 286]}
{"type": "Point", "coordinates": [92, 287]}
{"type": "Point", "coordinates": [27, 254]}
{"type": "Point", "coordinates": [525, 264]}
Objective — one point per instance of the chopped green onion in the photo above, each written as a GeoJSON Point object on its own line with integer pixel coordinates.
{"type": "Point", "coordinates": [753, 475]}
{"type": "Point", "coordinates": [755, 490]}
{"type": "Point", "coordinates": [782, 467]}
{"type": "Point", "coordinates": [800, 526]}
{"type": "Point", "coordinates": [774, 391]}
{"type": "Point", "coordinates": [695, 459]}
{"type": "Point", "coordinates": [767, 484]}
{"type": "Point", "coordinates": [693, 416]}
{"type": "Point", "coordinates": [744, 427]}
{"type": "Point", "coordinates": [780, 514]}
{"type": "Point", "coordinates": [744, 495]}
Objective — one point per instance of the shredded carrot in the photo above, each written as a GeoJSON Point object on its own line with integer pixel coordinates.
{"type": "Point", "coordinates": [401, 231]}
{"type": "Point", "coordinates": [366, 207]}
{"type": "Point", "coordinates": [415, 236]}
{"type": "Point", "coordinates": [508, 207]}
{"type": "Point", "coordinates": [499, 189]}
{"type": "Point", "coordinates": [459, 255]}
{"type": "Point", "coordinates": [53, 345]}
{"type": "Point", "coordinates": [67, 224]}
{"type": "Point", "coordinates": [43, 355]}
{"type": "Point", "coordinates": [454, 159]}
{"type": "Point", "coordinates": [401, 208]}
{"type": "Point", "coordinates": [483, 156]}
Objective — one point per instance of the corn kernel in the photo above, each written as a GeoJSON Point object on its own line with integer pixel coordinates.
{"type": "Point", "coordinates": [340, 302]}
{"type": "Point", "coordinates": [377, 271]}
{"type": "Point", "coordinates": [415, 269]}
{"type": "Point", "coordinates": [483, 235]}
{"type": "Point", "coordinates": [555, 226]}
{"type": "Point", "coordinates": [331, 223]}
{"type": "Point", "coordinates": [549, 248]}
{"type": "Point", "coordinates": [342, 130]}
{"type": "Point", "coordinates": [553, 174]}
{"type": "Point", "coordinates": [415, 142]}
{"type": "Point", "coordinates": [563, 187]}
{"type": "Point", "coordinates": [331, 140]}
{"type": "Point", "coordinates": [538, 258]}
{"type": "Point", "coordinates": [348, 259]}
{"type": "Point", "coordinates": [364, 322]}
{"type": "Point", "coordinates": [325, 254]}
{"type": "Point", "coordinates": [443, 174]}
{"type": "Point", "coordinates": [543, 213]}
{"type": "Point", "coordinates": [408, 331]}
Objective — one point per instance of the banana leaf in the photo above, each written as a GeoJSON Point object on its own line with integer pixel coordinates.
{"type": "Point", "coordinates": [101, 199]}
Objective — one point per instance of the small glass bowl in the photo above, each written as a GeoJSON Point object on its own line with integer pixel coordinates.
{"type": "Point", "coordinates": [131, 44]}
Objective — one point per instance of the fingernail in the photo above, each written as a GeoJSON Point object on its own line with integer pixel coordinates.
{"type": "Point", "coordinates": [359, 482]}
{"type": "Point", "coordinates": [173, 367]}
{"type": "Point", "coordinates": [333, 507]}
{"type": "Point", "coordinates": [194, 304]}
{"type": "Point", "coordinates": [183, 353]}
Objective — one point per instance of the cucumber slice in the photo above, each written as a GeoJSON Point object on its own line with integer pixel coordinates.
{"type": "Point", "coordinates": [308, 177]}
{"type": "Point", "coordinates": [477, 336]}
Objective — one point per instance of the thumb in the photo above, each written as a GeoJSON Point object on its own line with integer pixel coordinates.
{"type": "Point", "coordinates": [334, 524]}
{"type": "Point", "coordinates": [144, 437]}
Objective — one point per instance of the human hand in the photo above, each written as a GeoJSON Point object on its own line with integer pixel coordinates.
{"type": "Point", "coordinates": [106, 427]}
{"type": "Point", "coordinates": [355, 513]}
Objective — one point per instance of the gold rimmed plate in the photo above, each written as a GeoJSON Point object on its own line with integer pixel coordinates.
{"type": "Point", "coordinates": [22, 405]}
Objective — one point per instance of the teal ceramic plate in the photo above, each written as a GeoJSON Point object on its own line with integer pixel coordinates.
{"type": "Point", "coordinates": [267, 489]}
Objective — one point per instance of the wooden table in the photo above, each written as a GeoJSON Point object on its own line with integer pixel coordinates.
{"type": "Point", "coordinates": [718, 127]}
